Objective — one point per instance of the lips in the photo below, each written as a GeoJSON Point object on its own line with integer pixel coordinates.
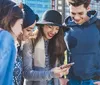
{"type": "Point", "coordinates": [50, 35]}
{"type": "Point", "coordinates": [77, 20]}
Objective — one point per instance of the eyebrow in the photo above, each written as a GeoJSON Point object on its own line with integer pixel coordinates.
{"type": "Point", "coordinates": [30, 27]}
{"type": "Point", "coordinates": [77, 13]}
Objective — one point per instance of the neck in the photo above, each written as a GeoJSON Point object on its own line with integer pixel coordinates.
{"type": "Point", "coordinates": [14, 36]}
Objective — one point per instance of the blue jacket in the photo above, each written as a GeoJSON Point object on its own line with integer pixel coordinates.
{"type": "Point", "coordinates": [7, 58]}
{"type": "Point", "coordinates": [84, 44]}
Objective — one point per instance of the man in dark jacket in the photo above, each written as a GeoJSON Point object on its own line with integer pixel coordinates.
{"type": "Point", "coordinates": [83, 41]}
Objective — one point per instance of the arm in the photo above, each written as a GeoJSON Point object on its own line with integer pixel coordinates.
{"type": "Point", "coordinates": [29, 73]}
{"type": "Point", "coordinates": [7, 56]}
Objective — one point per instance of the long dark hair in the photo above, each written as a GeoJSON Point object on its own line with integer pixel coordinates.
{"type": "Point", "coordinates": [56, 45]}
{"type": "Point", "coordinates": [13, 15]}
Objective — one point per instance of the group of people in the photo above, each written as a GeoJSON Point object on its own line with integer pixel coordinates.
{"type": "Point", "coordinates": [37, 57]}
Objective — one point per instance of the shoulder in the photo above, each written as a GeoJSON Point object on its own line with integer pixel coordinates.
{"type": "Point", "coordinates": [98, 23]}
{"type": "Point", "coordinates": [67, 19]}
{"type": "Point", "coordinates": [7, 43]}
{"type": "Point", "coordinates": [6, 37]}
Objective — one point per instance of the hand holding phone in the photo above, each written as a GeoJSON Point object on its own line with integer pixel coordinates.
{"type": "Point", "coordinates": [67, 65]}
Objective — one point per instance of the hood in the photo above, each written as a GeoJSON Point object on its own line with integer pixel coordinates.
{"type": "Point", "coordinates": [92, 18]}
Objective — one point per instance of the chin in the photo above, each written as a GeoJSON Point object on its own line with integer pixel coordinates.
{"type": "Point", "coordinates": [50, 38]}
{"type": "Point", "coordinates": [25, 39]}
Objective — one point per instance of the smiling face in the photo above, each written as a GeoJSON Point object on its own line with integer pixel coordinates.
{"type": "Point", "coordinates": [27, 32]}
{"type": "Point", "coordinates": [50, 31]}
{"type": "Point", "coordinates": [78, 13]}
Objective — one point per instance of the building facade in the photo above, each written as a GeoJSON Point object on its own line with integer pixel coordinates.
{"type": "Point", "coordinates": [95, 5]}
{"type": "Point", "coordinates": [39, 6]}
{"type": "Point", "coordinates": [63, 8]}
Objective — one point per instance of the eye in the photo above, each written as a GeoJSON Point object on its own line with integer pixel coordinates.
{"type": "Point", "coordinates": [28, 30]}
{"type": "Point", "coordinates": [81, 13]}
{"type": "Point", "coordinates": [57, 28]}
{"type": "Point", "coordinates": [49, 26]}
{"type": "Point", "coordinates": [73, 13]}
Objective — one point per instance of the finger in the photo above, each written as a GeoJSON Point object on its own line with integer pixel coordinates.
{"type": "Point", "coordinates": [62, 66]}
{"type": "Point", "coordinates": [65, 69]}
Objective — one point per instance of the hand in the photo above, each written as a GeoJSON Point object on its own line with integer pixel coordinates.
{"type": "Point", "coordinates": [63, 81]}
{"type": "Point", "coordinates": [65, 69]}
{"type": "Point", "coordinates": [97, 83]}
{"type": "Point", "coordinates": [57, 72]}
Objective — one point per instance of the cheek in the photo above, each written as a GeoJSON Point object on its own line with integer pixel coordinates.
{"type": "Point", "coordinates": [26, 33]}
{"type": "Point", "coordinates": [19, 29]}
{"type": "Point", "coordinates": [84, 15]}
{"type": "Point", "coordinates": [45, 31]}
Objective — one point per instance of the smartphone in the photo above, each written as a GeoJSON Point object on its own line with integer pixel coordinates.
{"type": "Point", "coordinates": [67, 65]}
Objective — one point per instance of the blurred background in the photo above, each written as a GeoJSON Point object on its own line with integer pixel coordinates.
{"type": "Point", "coordinates": [39, 6]}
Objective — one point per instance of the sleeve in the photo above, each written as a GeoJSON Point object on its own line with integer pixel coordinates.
{"type": "Point", "coordinates": [29, 72]}
{"type": "Point", "coordinates": [7, 56]}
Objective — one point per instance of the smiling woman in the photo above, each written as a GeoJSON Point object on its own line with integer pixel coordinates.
{"type": "Point", "coordinates": [50, 31]}
{"type": "Point", "coordinates": [29, 22]}
{"type": "Point", "coordinates": [42, 54]}
{"type": "Point", "coordinates": [27, 26]}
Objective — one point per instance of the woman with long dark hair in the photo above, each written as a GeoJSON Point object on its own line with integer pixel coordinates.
{"type": "Point", "coordinates": [42, 55]}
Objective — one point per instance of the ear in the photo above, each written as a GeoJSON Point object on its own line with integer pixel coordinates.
{"type": "Point", "coordinates": [21, 5]}
{"type": "Point", "coordinates": [88, 8]}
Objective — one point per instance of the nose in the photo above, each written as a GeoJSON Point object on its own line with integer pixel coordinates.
{"type": "Point", "coordinates": [76, 17]}
{"type": "Point", "coordinates": [21, 32]}
{"type": "Point", "coordinates": [54, 31]}
{"type": "Point", "coordinates": [30, 33]}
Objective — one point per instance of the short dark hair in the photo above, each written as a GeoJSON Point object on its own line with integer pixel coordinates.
{"type": "Point", "coordinates": [80, 2]}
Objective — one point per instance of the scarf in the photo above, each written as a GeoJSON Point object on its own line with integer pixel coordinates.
{"type": "Point", "coordinates": [39, 54]}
